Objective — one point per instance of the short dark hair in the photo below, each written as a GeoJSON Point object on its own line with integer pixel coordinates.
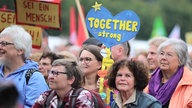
{"type": "Point", "coordinates": [51, 55]}
{"type": "Point", "coordinates": [92, 41]}
{"type": "Point", "coordinates": [138, 69]}
{"type": "Point", "coordinates": [95, 50]}
{"type": "Point", "coordinates": [8, 95]}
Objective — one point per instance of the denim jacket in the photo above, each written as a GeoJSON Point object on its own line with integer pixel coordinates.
{"type": "Point", "coordinates": [142, 100]}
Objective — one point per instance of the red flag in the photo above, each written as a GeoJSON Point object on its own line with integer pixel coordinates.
{"type": "Point", "coordinates": [4, 7]}
{"type": "Point", "coordinates": [73, 33]}
{"type": "Point", "coordinates": [81, 30]}
{"type": "Point", "coordinates": [53, 1]}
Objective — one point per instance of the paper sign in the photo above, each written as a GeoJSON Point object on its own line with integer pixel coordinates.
{"type": "Point", "coordinates": [43, 14]}
{"type": "Point", "coordinates": [188, 38]}
{"type": "Point", "coordinates": [112, 30]}
{"type": "Point", "coordinates": [36, 33]}
{"type": "Point", "coordinates": [6, 19]}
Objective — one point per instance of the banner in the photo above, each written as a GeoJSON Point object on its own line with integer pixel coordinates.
{"type": "Point", "coordinates": [7, 18]}
{"type": "Point", "coordinates": [81, 34]}
{"type": "Point", "coordinates": [43, 14]}
{"type": "Point", "coordinates": [112, 30]}
{"type": "Point", "coordinates": [73, 33]}
{"type": "Point", "coordinates": [188, 38]}
{"type": "Point", "coordinates": [36, 33]}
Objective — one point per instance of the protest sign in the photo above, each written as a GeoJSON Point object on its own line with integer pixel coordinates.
{"type": "Point", "coordinates": [112, 30]}
{"type": "Point", "coordinates": [43, 14]}
{"type": "Point", "coordinates": [8, 18]}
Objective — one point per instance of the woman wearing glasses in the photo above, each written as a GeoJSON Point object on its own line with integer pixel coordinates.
{"type": "Point", "coordinates": [171, 83]}
{"type": "Point", "coordinates": [15, 49]}
{"type": "Point", "coordinates": [64, 77]}
{"type": "Point", "coordinates": [90, 61]}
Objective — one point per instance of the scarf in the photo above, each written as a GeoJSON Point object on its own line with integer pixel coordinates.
{"type": "Point", "coordinates": [164, 92]}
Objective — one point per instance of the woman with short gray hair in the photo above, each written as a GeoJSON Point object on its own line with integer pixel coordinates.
{"type": "Point", "coordinates": [171, 83]}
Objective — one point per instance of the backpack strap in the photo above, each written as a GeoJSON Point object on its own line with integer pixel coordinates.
{"type": "Point", "coordinates": [74, 95]}
{"type": "Point", "coordinates": [28, 75]}
{"type": "Point", "coordinates": [47, 102]}
{"type": "Point", "coordinates": [95, 101]}
{"type": "Point", "coordinates": [113, 104]}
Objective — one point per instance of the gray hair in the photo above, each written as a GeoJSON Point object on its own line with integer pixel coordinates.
{"type": "Point", "coordinates": [156, 41]}
{"type": "Point", "coordinates": [180, 48]}
{"type": "Point", "coordinates": [127, 48]}
{"type": "Point", "coordinates": [73, 70]}
{"type": "Point", "coordinates": [21, 38]}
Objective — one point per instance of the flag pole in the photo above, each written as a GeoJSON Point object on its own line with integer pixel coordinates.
{"type": "Point", "coordinates": [82, 17]}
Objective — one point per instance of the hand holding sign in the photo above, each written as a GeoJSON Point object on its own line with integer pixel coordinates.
{"type": "Point", "coordinates": [112, 30]}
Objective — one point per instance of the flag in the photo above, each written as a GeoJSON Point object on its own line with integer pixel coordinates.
{"type": "Point", "coordinates": [81, 37]}
{"type": "Point", "coordinates": [158, 28]}
{"type": "Point", "coordinates": [188, 38]}
{"type": "Point", "coordinates": [175, 33]}
{"type": "Point", "coordinates": [53, 1]}
{"type": "Point", "coordinates": [73, 33]}
{"type": "Point", "coordinates": [4, 7]}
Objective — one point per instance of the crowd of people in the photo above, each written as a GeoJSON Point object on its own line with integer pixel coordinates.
{"type": "Point", "coordinates": [160, 77]}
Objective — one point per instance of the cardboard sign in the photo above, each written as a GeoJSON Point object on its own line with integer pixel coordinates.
{"type": "Point", "coordinates": [112, 30]}
{"type": "Point", "coordinates": [8, 18]}
{"type": "Point", "coordinates": [188, 38]}
{"type": "Point", "coordinates": [43, 14]}
{"type": "Point", "coordinates": [36, 33]}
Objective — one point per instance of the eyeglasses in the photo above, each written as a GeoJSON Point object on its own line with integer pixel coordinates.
{"type": "Point", "coordinates": [4, 43]}
{"type": "Point", "coordinates": [55, 73]}
{"type": "Point", "coordinates": [167, 55]}
{"type": "Point", "coordinates": [86, 59]}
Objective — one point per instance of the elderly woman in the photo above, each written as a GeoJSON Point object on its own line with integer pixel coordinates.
{"type": "Point", "coordinates": [130, 78]}
{"type": "Point", "coordinates": [171, 83]}
{"type": "Point", "coordinates": [64, 78]}
{"type": "Point", "coordinates": [15, 50]}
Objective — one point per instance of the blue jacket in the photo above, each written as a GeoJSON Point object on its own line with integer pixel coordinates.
{"type": "Point", "coordinates": [143, 100]}
{"type": "Point", "coordinates": [28, 92]}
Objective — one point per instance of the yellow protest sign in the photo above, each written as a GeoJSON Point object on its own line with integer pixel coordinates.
{"type": "Point", "coordinates": [36, 33]}
{"type": "Point", "coordinates": [188, 38]}
{"type": "Point", "coordinates": [6, 19]}
{"type": "Point", "coordinates": [44, 14]}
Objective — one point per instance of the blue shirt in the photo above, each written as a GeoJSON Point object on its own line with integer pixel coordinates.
{"type": "Point", "coordinates": [28, 93]}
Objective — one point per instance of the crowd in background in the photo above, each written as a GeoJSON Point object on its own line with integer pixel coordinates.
{"type": "Point", "coordinates": [160, 76]}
